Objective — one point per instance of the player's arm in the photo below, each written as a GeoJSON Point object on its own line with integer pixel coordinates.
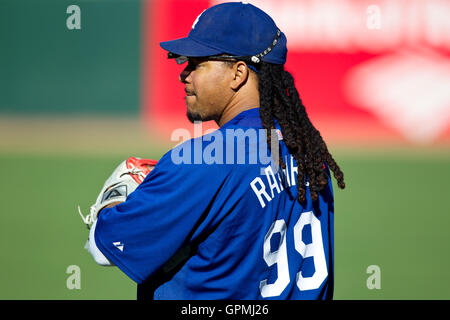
{"type": "Point", "coordinates": [124, 180]}
{"type": "Point", "coordinates": [166, 213]}
{"type": "Point", "coordinates": [91, 246]}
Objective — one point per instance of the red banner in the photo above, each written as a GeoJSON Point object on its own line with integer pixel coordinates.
{"type": "Point", "coordinates": [367, 71]}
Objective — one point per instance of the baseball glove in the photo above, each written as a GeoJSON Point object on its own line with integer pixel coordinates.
{"type": "Point", "coordinates": [123, 181]}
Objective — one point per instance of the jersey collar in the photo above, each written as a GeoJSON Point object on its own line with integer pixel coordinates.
{"type": "Point", "coordinates": [247, 118]}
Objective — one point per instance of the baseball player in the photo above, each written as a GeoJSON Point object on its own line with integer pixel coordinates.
{"type": "Point", "coordinates": [214, 218]}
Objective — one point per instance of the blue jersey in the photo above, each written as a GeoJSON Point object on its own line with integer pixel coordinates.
{"type": "Point", "coordinates": [211, 221]}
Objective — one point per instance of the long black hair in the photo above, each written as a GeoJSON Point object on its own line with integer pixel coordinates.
{"type": "Point", "coordinates": [280, 100]}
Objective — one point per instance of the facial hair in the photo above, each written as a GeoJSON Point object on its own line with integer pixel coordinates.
{"type": "Point", "coordinates": [193, 116]}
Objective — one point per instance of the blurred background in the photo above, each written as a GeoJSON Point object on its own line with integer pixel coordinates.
{"type": "Point", "coordinates": [84, 85]}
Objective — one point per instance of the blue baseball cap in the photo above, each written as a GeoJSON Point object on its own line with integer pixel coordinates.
{"type": "Point", "coordinates": [233, 28]}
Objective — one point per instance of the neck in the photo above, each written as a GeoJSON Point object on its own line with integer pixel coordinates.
{"type": "Point", "coordinates": [238, 105]}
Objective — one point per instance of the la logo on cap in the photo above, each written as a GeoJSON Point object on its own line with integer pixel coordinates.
{"type": "Point", "coordinates": [196, 20]}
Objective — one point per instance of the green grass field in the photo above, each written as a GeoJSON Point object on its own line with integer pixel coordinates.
{"type": "Point", "coordinates": [394, 213]}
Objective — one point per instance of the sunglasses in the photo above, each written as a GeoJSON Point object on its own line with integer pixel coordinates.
{"type": "Point", "coordinates": [182, 59]}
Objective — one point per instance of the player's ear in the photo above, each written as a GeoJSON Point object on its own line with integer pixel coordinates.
{"type": "Point", "coordinates": [240, 75]}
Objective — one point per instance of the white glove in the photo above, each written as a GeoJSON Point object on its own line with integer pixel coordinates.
{"type": "Point", "coordinates": [123, 181]}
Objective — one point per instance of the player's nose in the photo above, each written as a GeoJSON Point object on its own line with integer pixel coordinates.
{"type": "Point", "coordinates": [184, 75]}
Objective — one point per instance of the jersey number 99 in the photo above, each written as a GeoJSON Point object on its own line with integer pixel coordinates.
{"type": "Point", "coordinates": [279, 257]}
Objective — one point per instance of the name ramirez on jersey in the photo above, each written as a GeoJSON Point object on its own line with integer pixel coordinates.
{"type": "Point", "coordinates": [264, 187]}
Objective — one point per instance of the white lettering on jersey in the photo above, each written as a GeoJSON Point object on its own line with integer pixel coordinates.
{"type": "Point", "coordinates": [261, 191]}
{"type": "Point", "coordinates": [294, 170]}
{"type": "Point", "coordinates": [259, 186]}
{"type": "Point", "coordinates": [271, 180]}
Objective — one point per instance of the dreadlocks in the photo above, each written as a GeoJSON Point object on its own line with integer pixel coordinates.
{"type": "Point", "coordinates": [280, 100]}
